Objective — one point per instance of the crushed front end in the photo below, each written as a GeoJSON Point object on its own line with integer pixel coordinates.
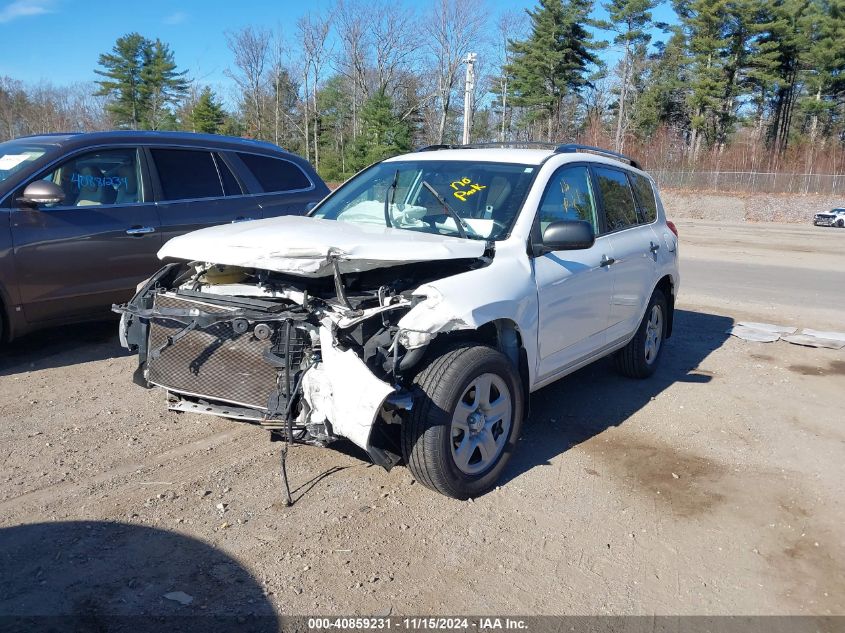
{"type": "Point", "coordinates": [310, 359]}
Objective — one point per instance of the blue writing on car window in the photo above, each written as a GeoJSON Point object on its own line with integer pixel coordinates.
{"type": "Point", "coordinates": [87, 180]}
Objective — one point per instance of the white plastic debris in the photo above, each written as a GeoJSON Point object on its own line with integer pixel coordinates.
{"type": "Point", "coordinates": [179, 596]}
{"type": "Point", "coordinates": [768, 327]}
{"type": "Point", "coordinates": [753, 334]}
{"type": "Point", "coordinates": [815, 341]}
{"type": "Point", "coordinates": [833, 336]}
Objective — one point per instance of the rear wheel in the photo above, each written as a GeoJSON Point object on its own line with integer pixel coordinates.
{"type": "Point", "coordinates": [639, 358]}
{"type": "Point", "coordinates": [465, 422]}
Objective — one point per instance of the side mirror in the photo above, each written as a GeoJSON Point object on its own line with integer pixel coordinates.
{"type": "Point", "coordinates": [566, 235]}
{"type": "Point", "coordinates": [42, 192]}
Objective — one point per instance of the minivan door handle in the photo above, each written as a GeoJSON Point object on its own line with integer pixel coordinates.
{"type": "Point", "coordinates": [607, 261]}
{"type": "Point", "coordinates": [140, 230]}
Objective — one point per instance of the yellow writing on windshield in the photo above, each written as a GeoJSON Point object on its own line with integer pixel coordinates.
{"type": "Point", "coordinates": [464, 188]}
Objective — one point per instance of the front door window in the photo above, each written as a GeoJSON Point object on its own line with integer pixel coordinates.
{"type": "Point", "coordinates": [101, 177]}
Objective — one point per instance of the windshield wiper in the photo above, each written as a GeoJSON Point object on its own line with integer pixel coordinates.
{"type": "Point", "coordinates": [462, 227]}
{"type": "Point", "coordinates": [389, 197]}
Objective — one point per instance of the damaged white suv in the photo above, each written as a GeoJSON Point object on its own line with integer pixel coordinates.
{"type": "Point", "coordinates": [418, 306]}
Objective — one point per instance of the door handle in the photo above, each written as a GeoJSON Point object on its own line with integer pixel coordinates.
{"type": "Point", "coordinates": [654, 247]}
{"type": "Point", "coordinates": [140, 230]}
{"type": "Point", "coordinates": [607, 261]}
{"type": "Point", "coordinates": [242, 218]}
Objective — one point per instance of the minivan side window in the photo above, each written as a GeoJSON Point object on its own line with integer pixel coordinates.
{"type": "Point", "coordinates": [101, 177]}
{"type": "Point", "coordinates": [275, 174]}
{"type": "Point", "coordinates": [645, 197]}
{"type": "Point", "coordinates": [619, 208]}
{"type": "Point", "coordinates": [187, 174]}
{"type": "Point", "coordinates": [568, 196]}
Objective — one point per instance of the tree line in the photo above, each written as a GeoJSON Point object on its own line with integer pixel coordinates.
{"type": "Point", "coordinates": [728, 84]}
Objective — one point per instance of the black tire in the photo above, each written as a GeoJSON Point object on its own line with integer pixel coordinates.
{"type": "Point", "coordinates": [429, 437]}
{"type": "Point", "coordinates": [840, 223]}
{"type": "Point", "coordinates": [634, 360]}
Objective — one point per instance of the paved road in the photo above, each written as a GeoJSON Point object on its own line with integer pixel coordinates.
{"type": "Point", "coordinates": [734, 281]}
{"type": "Point", "coordinates": [795, 272]}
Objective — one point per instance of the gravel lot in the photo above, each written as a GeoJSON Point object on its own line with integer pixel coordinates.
{"type": "Point", "coordinates": [716, 487]}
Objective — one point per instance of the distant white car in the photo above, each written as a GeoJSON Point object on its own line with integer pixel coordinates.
{"type": "Point", "coordinates": [418, 306]}
{"type": "Point", "coordinates": [836, 217]}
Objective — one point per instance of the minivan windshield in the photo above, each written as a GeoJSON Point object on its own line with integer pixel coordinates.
{"type": "Point", "coordinates": [17, 155]}
{"type": "Point", "coordinates": [473, 200]}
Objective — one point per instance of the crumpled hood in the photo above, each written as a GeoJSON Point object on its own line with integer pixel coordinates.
{"type": "Point", "coordinates": [301, 246]}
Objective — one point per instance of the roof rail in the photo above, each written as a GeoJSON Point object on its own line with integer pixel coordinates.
{"type": "Point", "coordinates": [514, 144]}
{"type": "Point", "coordinates": [558, 148]}
{"type": "Point", "coordinates": [570, 148]}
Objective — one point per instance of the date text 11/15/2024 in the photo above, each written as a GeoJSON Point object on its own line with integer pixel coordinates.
{"type": "Point", "coordinates": [417, 623]}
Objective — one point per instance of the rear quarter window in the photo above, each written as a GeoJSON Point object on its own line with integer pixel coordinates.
{"type": "Point", "coordinates": [275, 174]}
{"type": "Point", "coordinates": [645, 197]}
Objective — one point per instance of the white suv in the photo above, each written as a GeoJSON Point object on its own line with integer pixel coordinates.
{"type": "Point", "coordinates": [418, 306]}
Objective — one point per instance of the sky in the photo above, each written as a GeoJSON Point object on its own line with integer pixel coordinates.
{"type": "Point", "coordinates": [59, 41]}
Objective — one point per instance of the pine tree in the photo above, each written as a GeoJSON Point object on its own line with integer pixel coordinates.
{"type": "Point", "coordinates": [141, 81]}
{"type": "Point", "coordinates": [383, 134]}
{"type": "Point", "coordinates": [664, 97]}
{"type": "Point", "coordinates": [208, 114]}
{"type": "Point", "coordinates": [630, 20]}
{"type": "Point", "coordinates": [824, 70]}
{"type": "Point", "coordinates": [122, 70]}
{"type": "Point", "coordinates": [719, 35]}
{"type": "Point", "coordinates": [555, 59]}
{"type": "Point", "coordinates": [161, 85]}
{"type": "Point", "coordinates": [780, 48]}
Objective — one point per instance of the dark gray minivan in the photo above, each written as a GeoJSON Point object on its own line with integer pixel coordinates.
{"type": "Point", "coordinates": [83, 215]}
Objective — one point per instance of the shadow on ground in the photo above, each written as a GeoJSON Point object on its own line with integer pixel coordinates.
{"type": "Point", "coordinates": [101, 576]}
{"type": "Point", "coordinates": [584, 404]}
{"type": "Point", "coordinates": [61, 347]}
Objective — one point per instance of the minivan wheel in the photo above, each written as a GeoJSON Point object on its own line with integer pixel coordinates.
{"type": "Point", "coordinates": [639, 358]}
{"type": "Point", "coordinates": [465, 421]}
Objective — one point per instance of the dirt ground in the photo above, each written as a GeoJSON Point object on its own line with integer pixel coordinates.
{"type": "Point", "coordinates": [751, 207]}
{"type": "Point", "coordinates": [715, 487]}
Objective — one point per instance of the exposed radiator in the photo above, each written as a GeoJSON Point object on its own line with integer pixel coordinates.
{"type": "Point", "coordinates": [214, 362]}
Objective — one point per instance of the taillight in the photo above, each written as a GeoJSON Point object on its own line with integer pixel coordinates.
{"type": "Point", "coordinates": [672, 227]}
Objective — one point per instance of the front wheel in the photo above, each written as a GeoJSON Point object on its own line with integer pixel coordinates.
{"type": "Point", "coordinates": [638, 359]}
{"type": "Point", "coordinates": [465, 422]}
{"type": "Point", "coordinates": [840, 223]}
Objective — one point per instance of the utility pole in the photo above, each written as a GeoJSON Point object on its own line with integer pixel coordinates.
{"type": "Point", "coordinates": [469, 87]}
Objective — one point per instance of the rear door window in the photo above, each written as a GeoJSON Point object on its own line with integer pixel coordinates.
{"type": "Point", "coordinates": [230, 183]}
{"type": "Point", "coordinates": [619, 208]}
{"type": "Point", "coordinates": [645, 197]}
{"type": "Point", "coordinates": [275, 174]}
{"type": "Point", "coordinates": [187, 174]}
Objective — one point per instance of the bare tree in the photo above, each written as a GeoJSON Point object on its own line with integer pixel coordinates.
{"type": "Point", "coordinates": [313, 32]}
{"type": "Point", "coordinates": [251, 49]}
{"type": "Point", "coordinates": [454, 28]}
{"type": "Point", "coordinates": [512, 25]}
{"type": "Point", "coordinates": [379, 46]}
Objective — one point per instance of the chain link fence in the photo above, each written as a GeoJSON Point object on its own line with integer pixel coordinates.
{"type": "Point", "coordinates": [751, 181]}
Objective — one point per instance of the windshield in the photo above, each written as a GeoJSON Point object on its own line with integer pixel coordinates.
{"type": "Point", "coordinates": [474, 200]}
{"type": "Point", "coordinates": [16, 155]}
